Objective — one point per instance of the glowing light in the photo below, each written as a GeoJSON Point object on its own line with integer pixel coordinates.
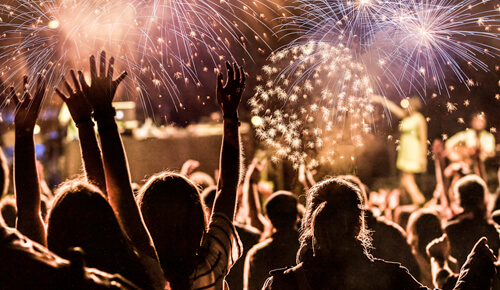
{"type": "Point", "coordinates": [256, 121]}
{"type": "Point", "coordinates": [405, 103]}
{"type": "Point", "coordinates": [53, 24]}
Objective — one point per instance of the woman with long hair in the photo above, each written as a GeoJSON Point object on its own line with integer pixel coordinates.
{"type": "Point", "coordinates": [192, 256]}
{"type": "Point", "coordinates": [334, 247]}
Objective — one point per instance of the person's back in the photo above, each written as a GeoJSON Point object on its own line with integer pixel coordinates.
{"type": "Point", "coordinates": [276, 252]}
{"type": "Point", "coordinates": [249, 237]}
{"type": "Point", "coordinates": [358, 273]}
{"type": "Point", "coordinates": [464, 232]}
{"type": "Point", "coordinates": [281, 248]}
{"type": "Point", "coordinates": [25, 264]}
{"type": "Point", "coordinates": [389, 243]}
{"type": "Point", "coordinates": [424, 226]}
{"type": "Point", "coordinates": [466, 228]}
{"type": "Point", "coordinates": [82, 217]}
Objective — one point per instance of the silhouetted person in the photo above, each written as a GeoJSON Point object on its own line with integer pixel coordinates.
{"type": "Point", "coordinates": [109, 228]}
{"type": "Point", "coordinates": [194, 253]}
{"type": "Point", "coordinates": [333, 251]}
{"type": "Point", "coordinates": [25, 264]}
{"type": "Point", "coordinates": [388, 238]}
{"type": "Point", "coordinates": [389, 242]}
{"type": "Point", "coordinates": [81, 217]}
{"type": "Point", "coordinates": [280, 249]}
{"type": "Point", "coordinates": [467, 227]}
{"type": "Point", "coordinates": [249, 236]}
{"type": "Point", "coordinates": [423, 227]}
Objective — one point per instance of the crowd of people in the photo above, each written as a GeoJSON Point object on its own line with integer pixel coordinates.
{"type": "Point", "coordinates": [176, 232]}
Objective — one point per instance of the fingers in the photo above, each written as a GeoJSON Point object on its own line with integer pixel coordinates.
{"type": "Point", "coordinates": [13, 96]}
{"type": "Point", "coordinates": [220, 80]}
{"type": "Point", "coordinates": [482, 241]}
{"type": "Point", "coordinates": [243, 77]}
{"type": "Point", "coordinates": [237, 70]}
{"type": "Point", "coordinates": [111, 67]}
{"type": "Point", "coordinates": [81, 78]}
{"type": "Point", "coordinates": [482, 247]}
{"type": "Point", "coordinates": [230, 71]}
{"type": "Point", "coordinates": [60, 94]}
{"type": "Point", "coordinates": [102, 66]}
{"type": "Point", "coordinates": [40, 90]}
{"type": "Point", "coordinates": [75, 81]}
{"type": "Point", "coordinates": [93, 68]}
{"type": "Point", "coordinates": [69, 89]}
{"type": "Point", "coordinates": [120, 78]}
{"type": "Point", "coordinates": [25, 83]}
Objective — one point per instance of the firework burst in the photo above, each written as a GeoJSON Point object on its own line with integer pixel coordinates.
{"type": "Point", "coordinates": [312, 101]}
{"type": "Point", "coordinates": [160, 43]}
{"type": "Point", "coordinates": [411, 45]}
{"type": "Point", "coordinates": [432, 40]}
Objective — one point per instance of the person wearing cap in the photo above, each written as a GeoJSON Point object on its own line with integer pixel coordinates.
{"type": "Point", "coordinates": [280, 249]}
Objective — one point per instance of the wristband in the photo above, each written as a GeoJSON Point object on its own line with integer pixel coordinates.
{"type": "Point", "coordinates": [232, 119]}
{"type": "Point", "coordinates": [103, 113]}
{"type": "Point", "coordinates": [103, 126]}
{"type": "Point", "coordinates": [230, 116]}
{"type": "Point", "coordinates": [83, 121]}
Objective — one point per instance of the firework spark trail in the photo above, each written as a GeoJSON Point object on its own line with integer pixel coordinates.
{"type": "Point", "coordinates": [419, 42]}
{"type": "Point", "coordinates": [158, 42]}
{"type": "Point", "coordinates": [314, 100]}
{"type": "Point", "coordinates": [432, 35]}
{"type": "Point", "coordinates": [351, 23]}
{"type": "Point", "coordinates": [50, 37]}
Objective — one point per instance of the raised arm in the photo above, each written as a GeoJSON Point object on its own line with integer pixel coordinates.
{"type": "Point", "coordinates": [100, 94]}
{"type": "Point", "coordinates": [443, 182]}
{"type": "Point", "coordinates": [81, 112]}
{"type": "Point", "coordinates": [26, 184]}
{"type": "Point", "coordinates": [476, 273]}
{"type": "Point", "coordinates": [391, 106]}
{"type": "Point", "coordinates": [229, 97]}
{"type": "Point", "coordinates": [251, 196]}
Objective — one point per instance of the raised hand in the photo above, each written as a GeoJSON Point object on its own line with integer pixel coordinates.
{"type": "Point", "coordinates": [28, 106]}
{"type": "Point", "coordinates": [102, 88]}
{"type": "Point", "coordinates": [79, 108]}
{"type": "Point", "coordinates": [26, 183]}
{"type": "Point", "coordinates": [81, 112]}
{"type": "Point", "coordinates": [439, 248]}
{"type": "Point", "coordinates": [189, 167]}
{"type": "Point", "coordinates": [254, 170]}
{"type": "Point", "coordinates": [229, 95]}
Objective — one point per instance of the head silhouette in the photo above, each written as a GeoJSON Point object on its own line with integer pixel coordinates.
{"type": "Point", "coordinates": [471, 191]}
{"type": "Point", "coordinates": [333, 224]}
{"type": "Point", "coordinates": [82, 217]}
{"type": "Point", "coordinates": [281, 209]}
{"type": "Point", "coordinates": [173, 212]}
{"type": "Point", "coordinates": [478, 122]}
{"type": "Point", "coordinates": [416, 104]}
{"type": "Point", "coordinates": [423, 227]}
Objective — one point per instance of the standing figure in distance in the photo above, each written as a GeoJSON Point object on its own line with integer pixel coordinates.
{"type": "Point", "coordinates": [472, 146]}
{"type": "Point", "coordinates": [412, 153]}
